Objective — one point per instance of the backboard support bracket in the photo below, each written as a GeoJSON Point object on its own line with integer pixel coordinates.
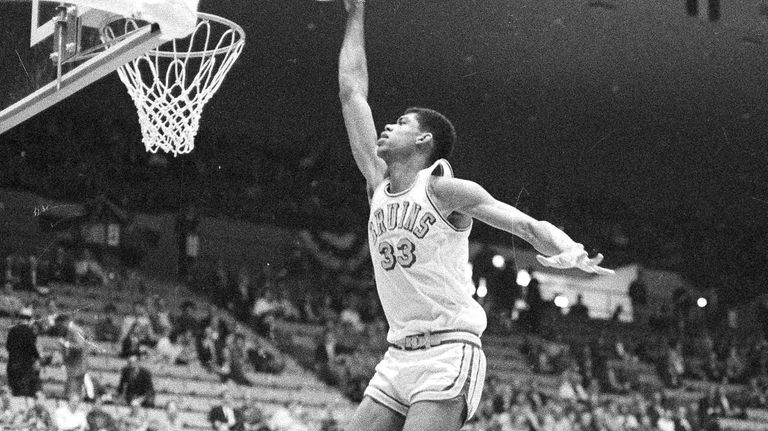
{"type": "Point", "coordinates": [143, 40]}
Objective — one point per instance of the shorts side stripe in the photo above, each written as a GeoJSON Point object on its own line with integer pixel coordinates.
{"type": "Point", "coordinates": [461, 367]}
{"type": "Point", "coordinates": [473, 387]}
{"type": "Point", "coordinates": [451, 390]}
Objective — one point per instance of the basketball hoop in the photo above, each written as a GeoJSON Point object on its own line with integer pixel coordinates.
{"type": "Point", "coordinates": [170, 84]}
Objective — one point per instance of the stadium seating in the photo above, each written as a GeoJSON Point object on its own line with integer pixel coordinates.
{"type": "Point", "coordinates": [194, 389]}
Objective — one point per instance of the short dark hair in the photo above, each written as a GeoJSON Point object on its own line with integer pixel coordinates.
{"type": "Point", "coordinates": [443, 132]}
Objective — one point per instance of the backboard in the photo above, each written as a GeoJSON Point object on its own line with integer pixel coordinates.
{"type": "Point", "coordinates": [49, 51]}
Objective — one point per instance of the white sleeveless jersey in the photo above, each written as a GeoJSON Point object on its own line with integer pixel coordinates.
{"type": "Point", "coordinates": [421, 262]}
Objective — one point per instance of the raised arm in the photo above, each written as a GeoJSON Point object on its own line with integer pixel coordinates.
{"type": "Point", "coordinates": [353, 92]}
{"type": "Point", "coordinates": [557, 248]}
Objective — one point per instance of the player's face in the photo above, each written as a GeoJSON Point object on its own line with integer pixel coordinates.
{"type": "Point", "coordinates": [399, 138]}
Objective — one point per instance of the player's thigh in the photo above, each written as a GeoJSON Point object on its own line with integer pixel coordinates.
{"type": "Point", "coordinates": [372, 416]}
{"type": "Point", "coordinates": [443, 415]}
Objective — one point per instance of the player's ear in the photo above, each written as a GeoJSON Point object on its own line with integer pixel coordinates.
{"type": "Point", "coordinates": [424, 139]}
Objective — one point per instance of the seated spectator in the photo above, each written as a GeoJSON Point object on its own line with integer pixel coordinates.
{"type": "Point", "coordinates": [7, 415]}
{"type": "Point", "coordinates": [159, 316]}
{"type": "Point", "coordinates": [325, 354]}
{"type": "Point", "coordinates": [287, 310]}
{"type": "Point", "coordinates": [585, 363]}
{"type": "Point", "coordinates": [172, 419]}
{"type": "Point", "coordinates": [350, 313]}
{"type": "Point", "coordinates": [579, 311]}
{"type": "Point", "coordinates": [10, 305]}
{"type": "Point", "coordinates": [682, 421]}
{"type": "Point", "coordinates": [187, 321]}
{"type": "Point", "coordinates": [253, 417]}
{"type": "Point", "coordinates": [758, 355]}
{"type": "Point", "coordinates": [728, 407]}
{"type": "Point", "coordinates": [89, 270]}
{"type": "Point", "coordinates": [12, 276]}
{"type": "Point", "coordinates": [713, 369]}
{"type": "Point", "coordinates": [657, 407]}
{"type": "Point", "coordinates": [617, 312]}
{"type": "Point", "coordinates": [48, 325]}
{"type": "Point", "coordinates": [715, 405]}
{"type": "Point", "coordinates": [136, 420]}
{"type": "Point", "coordinates": [310, 308]}
{"type": "Point", "coordinates": [265, 310]}
{"type": "Point", "coordinates": [135, 386]}
{"type": "Point", "coordinates": [326, 312]}
{"type": "Point", "coordinates": [106, 329]}
{"type": "Point", "coordinates": [218, 322]}
{"type": "Point", "coordinates": [329, 422]}
{"type": "Point", "coordinates": [62, 267]}
{"type": "Point", "coordinates": [348, 340]}
{"type": "Point", "coordinates": [616, 380]}
{"type": "Point", "coordinates": [140, 324]}
{"type": "Point", "coordinates": [755, 394]}
{"type": "Point", "coordinates": [93, 389]}
{"type": "Point", "coordinates": [182, 352]}
{"type": "Point", "coordinates": [735, 366]}
{"type": "Point", "coordinates": [263, 360]}
{"type": "Point", "coordinates": [134, 344]}
{"type": "Point", "coordinates": [570, 389]}
{"type": "Point", "coordinates": [99, 419]}
{"type": "Point", "coordinates": [674, 365]}
{"type": "Point", "coordinates": [207, 352]}
{"type": "Point", "coordinates": [225, 417]}
{"type": "Point", "coordinates": [234, 361]}
{"type": "Point", "coordinates": [38, 417]}
{"type": "Point", "coordinates": [283, 420]}
{"type": "Point", "coordinates": [665, 421]}
{"type": "Point", "coordinates": [629, 420]}
{"type": "Point", "coordinates": [240, 301]}
{"type": "Point", "coordinates": [69, 416]}
{"type": "Point", "coordinates": [613, 419]}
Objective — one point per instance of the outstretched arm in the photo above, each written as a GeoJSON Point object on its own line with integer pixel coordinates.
{"type": "Point", "coordinates": [557, 248]}
{"type": "Point", "coordinates": [353, 92]}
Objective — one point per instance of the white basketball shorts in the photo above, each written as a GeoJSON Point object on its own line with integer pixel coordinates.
{"type": "Point", "coordinates": [438, 373]}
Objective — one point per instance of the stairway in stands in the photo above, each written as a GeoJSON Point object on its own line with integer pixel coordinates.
{"type": "Point", "coordinates": [194, 389]}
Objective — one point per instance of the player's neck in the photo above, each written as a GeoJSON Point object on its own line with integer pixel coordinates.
{"type": "Point", "coordinates": [402, 174]}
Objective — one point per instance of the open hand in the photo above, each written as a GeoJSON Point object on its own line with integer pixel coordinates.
{"type": "Point", "coordinates": [575, 258]}
{"type": "Point", "coordinates": [351, 5]}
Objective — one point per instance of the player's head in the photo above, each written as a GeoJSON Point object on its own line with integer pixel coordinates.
{"type": "Point", "coordinates": [421, 131]}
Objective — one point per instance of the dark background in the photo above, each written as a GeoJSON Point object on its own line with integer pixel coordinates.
{"type": "Point", "coordinates": [639, 129]}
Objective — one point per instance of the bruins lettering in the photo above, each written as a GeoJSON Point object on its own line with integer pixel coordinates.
{"type": "Point", "coordinates": [405, 215]}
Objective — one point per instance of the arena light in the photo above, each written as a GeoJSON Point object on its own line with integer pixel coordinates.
{"type": "Point", "coordinates": [482, 288]}
{"type": "Point", "coordinates": [701, 302]}
{"type": "Point", "coordinates": [561, 301]}
{"type": "Point", "coordinates": [498, 261]}
{"type": "Point", "coordinates": [523, 278]}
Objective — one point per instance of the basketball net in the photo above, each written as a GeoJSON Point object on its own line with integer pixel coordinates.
{"type": "Point", "coordinates": [171, 84]}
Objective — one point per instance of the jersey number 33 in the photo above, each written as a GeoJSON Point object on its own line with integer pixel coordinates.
{"type": "Point", "coordinates": [401, 254]}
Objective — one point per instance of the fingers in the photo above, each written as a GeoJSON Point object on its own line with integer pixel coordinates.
{"type": "Point", "coordinates": [583, 262]}
{"type": "Point", "coordinates": [604, 271]}
{"type": "Point", "coordinates": [593, 266]}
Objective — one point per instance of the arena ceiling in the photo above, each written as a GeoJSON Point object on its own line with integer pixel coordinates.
{"type": "Point", "coordinates": [559, 104]}
{"type": "Point", "coordinates": [627, 98]}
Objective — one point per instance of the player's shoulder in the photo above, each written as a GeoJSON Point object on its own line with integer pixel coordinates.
{"type": "Point", "coordinates": [441, 186]}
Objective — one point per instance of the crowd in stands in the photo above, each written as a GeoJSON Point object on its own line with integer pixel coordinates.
{"type": "Point", "coordinates": [151, 334]}
{"type": "Point", "coordinates": [326, 285]}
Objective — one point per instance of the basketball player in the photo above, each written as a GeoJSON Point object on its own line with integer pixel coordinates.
{"type": "Point", "coordinates": [432, 375]}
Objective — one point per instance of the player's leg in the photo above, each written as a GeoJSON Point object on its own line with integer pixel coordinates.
{"type": "Point", "coordinates": [374, 416]}
{"type": "Point", "coordinates": [443, 415]}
